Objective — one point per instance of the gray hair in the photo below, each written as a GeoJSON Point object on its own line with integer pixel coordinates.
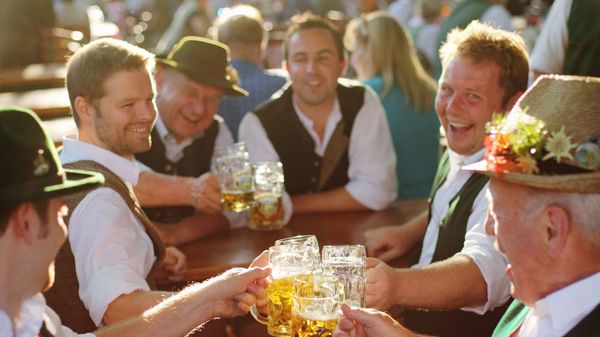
{"type": "Point", "coordinates": [583, 209]}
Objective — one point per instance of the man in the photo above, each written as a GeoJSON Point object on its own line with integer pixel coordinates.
{"type": "Point", "coordinates": [241, 28]}
{"type": "Point", "coordinates": [190, 82]}
{"type": "Point", "coordinates": [485, 71]}
{"type": "Point", "coordinates": [544, 200]}
{"type": "Point", "coordinates": [569, 39]}
{"type": "Point", "coordinates": [114, 253]}
{"type": "Point", "coordinates": [32, 230]}
{"type": "Point", "coordinates": [331, 135]}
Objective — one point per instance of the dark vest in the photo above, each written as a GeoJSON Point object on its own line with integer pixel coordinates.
{"type": "Point", "coordinates": [304, 170]}
{"type": "Point", "coordinates": [195, 162]}
{"type": "Point", "coordinates": [582, 56]}
{"type": "Point", "coordinates": [450, 241]}
{"type": "Point", "coordinates": [63, 297]}
{"type": "Point", "coordinates": [463, 12]}
{"type": "Point", "coordinates": [515, 315]}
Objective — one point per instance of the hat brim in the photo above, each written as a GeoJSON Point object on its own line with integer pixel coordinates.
{"type": "Point", "coordinates": [76, 181]}
{"type": "Point", "coordinates": [229, 89]}
{"type": "Point", "coordinates": [571, 183]}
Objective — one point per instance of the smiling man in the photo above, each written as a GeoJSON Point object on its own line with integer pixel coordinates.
{"type": "Point", "coordinates": [330, 134]}
{"type": "Point", "coordinates": [485, 71]}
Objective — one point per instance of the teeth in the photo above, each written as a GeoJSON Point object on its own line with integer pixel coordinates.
{"type": "Point", "coordinates": [138, 130]}
{"type": "Point", "coordinates": [458, 125]}
{"type": "Point", "coordinates": [189, 117]}
{"type": "Point", "coordinates": [314, 82]}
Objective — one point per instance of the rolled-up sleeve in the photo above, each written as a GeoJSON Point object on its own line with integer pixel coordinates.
{"type": "Point", "coordinates": [479, 247]}
{"type": "Point", "coordinates": [113, 254]}
{"type": "Point", "coordinates": [372, 158]}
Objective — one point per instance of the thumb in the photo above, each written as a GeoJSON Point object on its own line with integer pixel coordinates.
{"type": "Point", "coordinates": [262, 260]}
{"type": "Point", "coordinates": [388, 255]}
{"type": "Point", "coordinates": [372, 262]}
{"type": "Point", "coordinates": [254, 273]}
{"type": "Point", "coordinates": [360, 315]}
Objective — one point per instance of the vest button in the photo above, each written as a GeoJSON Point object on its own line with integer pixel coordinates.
{"type": "Point", "coordinates": [168, 167]}
{"type": "Point", "coordinates": [316, 163]}
{"type": "Point", "coordinates": [313, 180]}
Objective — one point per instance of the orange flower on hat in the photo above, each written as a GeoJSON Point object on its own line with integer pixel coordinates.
{"type": "Point", "coordinates": [527, 164]}
{"type": "Point", "coordinates": [559, 145]}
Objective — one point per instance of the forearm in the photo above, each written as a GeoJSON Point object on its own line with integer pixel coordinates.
{"type": "Point", "coordinates": [159, 320]}
{"type": "Point", "coordinates": [132, 304]}
{"type": "Point", "coordinates": [156, 189]}
{"type": "Point", "coordinates": [336, 200]}
{"type": "Point", "coordinates": [192, 228]}
{"type": "Point", "coordinates": [446, 285]}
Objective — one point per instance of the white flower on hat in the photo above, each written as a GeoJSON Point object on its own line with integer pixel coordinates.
{"type": "Point", "coordinates": [559, 145]}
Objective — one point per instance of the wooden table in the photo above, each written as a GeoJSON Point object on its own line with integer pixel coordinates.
{"type": "Point", "coordinates": [47, 103]}
{"type": "Point", "coordinates": [33, 76]}
{"type": "Point", "coordinates": [212, 255]}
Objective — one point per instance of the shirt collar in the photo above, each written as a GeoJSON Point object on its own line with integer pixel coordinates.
{"type": "Point", "coordinates": [168, 137]}
{"type": "Point", "coordinates": [571, 303]}
{"type": "Point", "coordinates": [334, 117]}
{"type": "Point", "coordinates": [75, 150]}
{"type": "Point", "coordinates": [457, 161]}
{"type": "Point", "coordinates": [31, 316]}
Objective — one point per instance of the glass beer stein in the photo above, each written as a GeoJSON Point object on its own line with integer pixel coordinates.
{"type": "Point", "coordinates": [348, 263]}
{"type": "Point", "coordinates": [267, 211]}
{"type": "Point", "coordinates": [234, 173]}
{"type": "Point", "coordinates": [316, 305]}
{"type": "Point", "coordinates": [287, 261]}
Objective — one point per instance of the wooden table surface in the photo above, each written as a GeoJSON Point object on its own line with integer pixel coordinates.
{"type": "Point", "coordinates": [212, 255]}
{"type": "Point", "coordinates": [33, 76]}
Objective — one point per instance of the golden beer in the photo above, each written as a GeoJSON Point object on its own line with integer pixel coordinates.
{"type": "Point", "coordinates": [312, 326]}
{"type": "Point", "coordinates": [267, 211]}
{"type": "Point", "coordinates": [237, 201]}
{"type": "Point", "coordinates": [279, 297]}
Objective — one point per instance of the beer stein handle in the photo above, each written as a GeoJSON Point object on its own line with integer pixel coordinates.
{"type": "Point", "coordinates": [260, 318]}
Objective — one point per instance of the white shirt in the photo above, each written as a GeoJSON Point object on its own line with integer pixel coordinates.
{"type": "Point", "coordinates": [29, 322]}
{"type": "Point", "coordinates": [371, 155]}
{"type": "Point", "coordinates": [559, 312]}
{"type": "Point", "coordinates": [497, 16]}
{"type": "Point", "coordinates": [478, 246]}
{"type": "Point", "coordinates": [548, 55]}
{"type": "Point", "coordinates": [113, 254]}
{"type": "Point", "coordinates": [174, 151]}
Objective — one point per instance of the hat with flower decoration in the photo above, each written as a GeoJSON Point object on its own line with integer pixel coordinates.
{"type": "Point", "coordinates": [31, 169]}
{"type": "Point", "coordinates": [550, 139]}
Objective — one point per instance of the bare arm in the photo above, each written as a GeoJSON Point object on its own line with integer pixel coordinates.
{"type": "Point", "coordinates": [446, 285]}
{"type": "Point", "coordinates": [336, 200]}
{"type": "Point", "coordinates": [228, 295]}
{"type": "Point", "coordinates": [157, 189]}
{"type": "Point", "coordinates": [192, 228]}
{"type": "Point", "coordinates": [132, 304]}
{"type": "Point", "coordinates": [390, 242]}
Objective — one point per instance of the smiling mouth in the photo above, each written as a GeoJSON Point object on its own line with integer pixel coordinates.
{"type": "Point", "coordinates": [459, 127]}
{"type": "Point", "coordinates": [143, 130]}
{"type": "Point", "coordinates": [189, 117]}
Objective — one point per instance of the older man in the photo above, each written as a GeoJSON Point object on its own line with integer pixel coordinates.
{"type": "Point", "coordinates": [330, 134]}
{"type": "Point", "coordinates": [32, 230]}
{"type": "Point", "coordinates": [544, 201]}
{"type": "Point", "coordinates": [485, 71]}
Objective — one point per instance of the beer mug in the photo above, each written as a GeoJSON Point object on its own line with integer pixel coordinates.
{"type": "Point", "coordinates": [348, 263]}
{"type": "Point", "coordinates": [316, 305]}
{"type": "Point", "coordinates": [267, 211]}
{"type": "Point", "coordinates": [234, 173]}
{"type": "Point", "coordinates": [308, 244]}
{"type": "Point", "coordinates": [287, 261]}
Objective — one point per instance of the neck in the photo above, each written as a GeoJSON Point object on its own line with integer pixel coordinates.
{"type": "Point", "coordinates": [13, 280]}
{"type": "Point", "coordinates": [86, 136]}
{"type": "Point", "coordinates": [246, 52]}
{"type": "Point", "coordinates": [317, 113]}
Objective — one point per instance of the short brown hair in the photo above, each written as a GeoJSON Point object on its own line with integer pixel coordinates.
{"type": "Point", "coordinates": [241, 23]}
{"type": "Point", "coordinates": [481, 43]}
{"type": "Point", "coordinates": [308, 20]}
{"type": "Point", "coordinates": [93, 64]}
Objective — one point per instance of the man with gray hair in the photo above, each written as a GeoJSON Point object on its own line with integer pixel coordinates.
{"type": "Point", "coordinates": [544, 200]}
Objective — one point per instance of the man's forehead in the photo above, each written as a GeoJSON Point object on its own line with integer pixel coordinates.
{"type": "Point", "coordinates": [312, 39]}
{"type": "Point", "coordinates": [183, 79]}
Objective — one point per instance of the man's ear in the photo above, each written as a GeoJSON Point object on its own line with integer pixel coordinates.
{"type": "Point", "coordinates": [511, 102]}
{"type": "Point", "coordinates": [285, 66]}
{"type": "Point", "coordinates": [21, 222]}
{"type": "Point", "coordinates": [557, 227]}
{"type": "Point", "coordinates": [83, 109]}
{"type": "Point", "coordinates": [159, 75]}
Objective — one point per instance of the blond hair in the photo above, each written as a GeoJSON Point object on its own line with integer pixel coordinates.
{"type": "Point", "coordinates": [393, 57]}
{"type": "Point", "coordinates": [93, 64]}
{"type": "Point", "coordinates": [481, 43]}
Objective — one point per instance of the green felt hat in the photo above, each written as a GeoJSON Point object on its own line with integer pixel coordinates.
{"type": "Point", "coordinates": [204, 61]}
{"type": "Point", "coordinates": [31, 169]}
